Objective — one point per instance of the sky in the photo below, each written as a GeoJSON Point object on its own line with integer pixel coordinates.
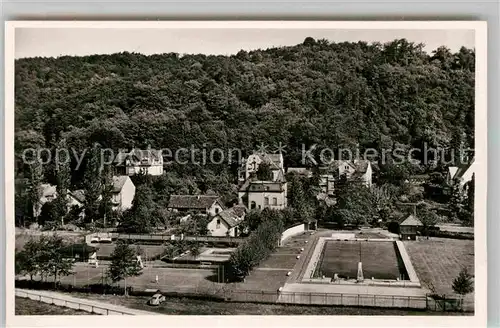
{"type": "Point", "coordinates": [54, 42]}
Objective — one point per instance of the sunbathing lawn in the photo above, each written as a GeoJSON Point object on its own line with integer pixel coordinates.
{"type": "Point", "coordinates": [341, 257]}
{"type": "Point", "coordinates": [26, 306]}
{"type": "Point", "coordinates": [438, 261]}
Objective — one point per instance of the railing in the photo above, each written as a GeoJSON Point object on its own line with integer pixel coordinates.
{"type": "Point", "coordinates": [221, 292]}
{"type": "Point", "coordinates": [180, 237]}
{"type": "Point", "coordinates": [76, 305]}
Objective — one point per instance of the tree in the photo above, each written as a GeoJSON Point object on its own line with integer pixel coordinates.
{"type": "Point", "coordinates": [34, 187]}
{"type": "Point", "coordinates": [105, 205]}
{"type": "Point", "coordinates": [257, 246]}
{"type": "Point", "coordinates": [463, 284]}
{"type": "Point", "coordinates": [140, 218]}
{"type": "Point", "coordinates": [53, 261]}
{"type": "Point", "coordinates": [382, 201]}
{"type": "Point", "coordinates": [264, 172]}
{"type": "Point", "coordinates": [456, 202]}
{"type": "Point", "coordinates": [427, 216]}
{"type": "Point", "coordinates": [124, 264]}
{"type": "Point", "coordinates": [28, 260]}
{"type": "Point", "coordinates": [92, 184]}
{"type": "Point", "coordinates": [468, 208]}
{"type": "Point", "coordinates": [63, 182]}
{"type": "Point", "coordinates": [354, 205]}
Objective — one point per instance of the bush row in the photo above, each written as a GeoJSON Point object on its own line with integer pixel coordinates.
{"type": "Point", "coordinates": [258, 246]}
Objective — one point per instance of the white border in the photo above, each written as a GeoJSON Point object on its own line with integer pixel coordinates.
{"type": "Point", "coordinates": [479, 318]}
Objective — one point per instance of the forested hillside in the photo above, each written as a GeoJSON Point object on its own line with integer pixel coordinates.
{"type": "Point", "coordinates": [330, 94]}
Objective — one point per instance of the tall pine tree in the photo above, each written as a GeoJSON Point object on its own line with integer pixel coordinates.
{"type": "Point", "coordinates": [63, 181]}
{"type": "Point", "coordinates": [92, 184]}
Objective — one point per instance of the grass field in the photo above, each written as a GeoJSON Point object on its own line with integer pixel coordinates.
{"type": "Point", "coordinates": [186, 306]}
{"type": "Point", "coordinates": [438, 261]}
{"type": "Point", "coordinates": [26, 306]}
{"type": "Point", "coordinates": [341, 257]}
{"type": "Point", "coordinates": [169, 279]}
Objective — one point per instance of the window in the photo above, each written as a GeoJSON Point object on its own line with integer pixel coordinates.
{"type": "Point", "coordinates": [266, 201]}
{"type": "Point", "coordinates": [275, 201]}
{"type": "Point", "coordinates": [259, 207]}
{"type": "Point", "coordinates": [252, 205]}
{"type": "Point", "coordinates": [218, 224]}
{"type": "Point", "coordinates": [216, 210]}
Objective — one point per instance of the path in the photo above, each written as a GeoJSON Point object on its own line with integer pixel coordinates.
{"type": "Point", "coordinates": [65, 300]}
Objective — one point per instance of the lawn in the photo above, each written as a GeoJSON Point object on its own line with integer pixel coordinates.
{"type": "Point", "coordinates": [169, 279]}
{"type": "Point", "coordinates": [26, 306]}
{"type": "Point", "coordinates": [186, 306]}
{"type": "Point", "coordinates": [341, 257]}
{"type": "Point", "coordinates": [438, 261]}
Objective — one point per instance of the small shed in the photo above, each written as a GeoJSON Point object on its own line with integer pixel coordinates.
{"type": "Point", "coordinates": [409, 226]}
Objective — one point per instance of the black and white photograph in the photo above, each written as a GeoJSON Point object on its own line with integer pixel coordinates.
{"type": "Point", "coordinates": [247, 168]}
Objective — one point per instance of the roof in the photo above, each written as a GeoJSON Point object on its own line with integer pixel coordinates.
{"type": "Point", "coordinates": [118, 182]}
{"type": "Point", "coordinates": [231, 217]}
{"type": "Point", "coordinates": [452, 170]}
{"type": "Point", "coordinates": [273, 159]}
{"type": "Point", "coordinates": [79, 195]}
{"type": "Point", "coordinates": [411, 220]}
{"type": "Point", "coordinates": [48, 190]}
{"type": "Point", "coordinates": [137, 155]}
{"type": "Point", "coordinates": [259, 186]}
{"type": "Point", "coordinates": [361, 165]}
{"type": "Point", "coordinates": [276, 159]}
{"type": "Point", "coordinates": [464, 171]}
{"type": "Point", "coordinates": [239, 210]}
{"type": "Point", "coordinates": [192, 201]}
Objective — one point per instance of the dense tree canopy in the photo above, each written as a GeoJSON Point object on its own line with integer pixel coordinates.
{"type": "Point", "coordinates": [331, 94]}
{"type": "Point", "coordinates": [335, 95]}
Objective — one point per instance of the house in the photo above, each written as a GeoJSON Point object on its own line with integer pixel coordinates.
{"type": "Point", "coordinates": [263, 194]}
{"type": "Point", "coordinates": [463, 173]}
{"type": "Point", "coordinates": [409, 226]}
{"type": "Point", "coordinates": [201, 204]}
{"type": "Point", "coordinates": [327, 184]}
{"type": "Point", "coordinates": [251, 165]}
{"type": "Point", "coordinates": [49, 193]}
{"type": "Point", "coordinates": [149, 161]}
{"type": "Point", "coordinates": [358, 169]}
{"type": "Point", "coordinates": [226, 223]}
{"type": "Point", "coordinates": [123, 193]}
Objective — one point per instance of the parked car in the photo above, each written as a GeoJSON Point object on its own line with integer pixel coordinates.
{"type": "Point", "coordinates": [156, 299]}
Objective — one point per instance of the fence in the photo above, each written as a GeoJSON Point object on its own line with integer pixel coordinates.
{"type": "Point", "coordinates": [219, 292]}
{"type": "Point", "coordinates": [165, 238]}
{"type": "Point", "coordinates": [73, 304]}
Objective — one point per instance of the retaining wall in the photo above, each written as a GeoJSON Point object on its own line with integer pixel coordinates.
{"type": "Point", "coordinates": [292, 232]}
